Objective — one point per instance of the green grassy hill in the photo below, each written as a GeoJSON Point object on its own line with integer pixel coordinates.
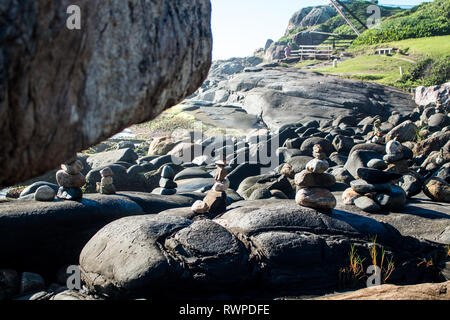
{"type": "Point", "coordinates": [426, 20]}
{"type": "Point", "coordinates": [338, 25]}
{"type": "Point", "coordinates": [422, 35]}
{"type": "Point", "coordinates": [425, 61]}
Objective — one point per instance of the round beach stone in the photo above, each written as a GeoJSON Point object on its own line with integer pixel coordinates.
{"type": "Point", "coordinates": [216, 201]}
{"type": "Point", "coordinates": [341, 174]}
{"type": "Point", "coordinates": [366, 204]}
{"type": "Point", "coordinates": [310, 179]}
{"type": "Point", "coordinates": [287, 170]}
{"type": "Point", "coordinates": [261, 193]}
{"type": "Point", "coordinates": [73, 168]}
{"type": "Point", "coordinates": [199, 207]}
{"type": "Point", "coordinates": [317, 166]}
{"type": "Point", "coordinates": [317, 198]}
{"type": "Point", "coordinates": [167, 191]}
{"type": "Point", "coordinates": [438, 120]}
{"type": "Point", "coordinates": [393, 157]}
{"type": "Point", "coordinates": [168, 172]}
{"type": "Point", "coordinates": [363, 187]}
{"type": "Point", "coordinates": [377, 164]}
{"type": "Point", "coordinates": [395, 200]}
{"type": "Point", "coordinates": [349, 195]}
{"type": "Point", "coordinates": [377, 176]}
{"type": "Point", "coordinates": [410, 184]}
{"type": "Point", "coordinates": [44, 193]}
{"type": "Point", "coordinates": [70, 181]}
{"type": "Point", "coordinates": [393, 147]}
{"type": "Point", "coordinates": [338, 159]}
{"type": "Point", "coordinates": [167, 183]}
{"type": "Point", "coordinates": [278, 194]}
{"type": "Point", "coordinates": [437, 189]}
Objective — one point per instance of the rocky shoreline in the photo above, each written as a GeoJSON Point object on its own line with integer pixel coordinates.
{"type": "Point", "coordinates": [223, 220]}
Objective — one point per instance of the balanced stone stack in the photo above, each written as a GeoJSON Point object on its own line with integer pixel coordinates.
{"type": "Point", "coordinates": [106, 186]}
{"type": "Point", "coordinates": [166, 184]}
{"type": "Point", "coordinates": [215, 201]}
{"type": "Point", "coordinates": [70, 180]}
{"type": "Point", "coordinates": [395, 157]}
{"type": "Point", "coordinates": [373, 191]}
{"type": "Point", "coordinates": [312, 183]}
{"type": "Point", "coordinates": [377, 134]}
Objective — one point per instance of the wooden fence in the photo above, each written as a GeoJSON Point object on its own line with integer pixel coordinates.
{"type": "Point", "coordinates": [313, 52]}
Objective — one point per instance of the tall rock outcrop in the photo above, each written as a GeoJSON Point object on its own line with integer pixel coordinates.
{"type": "Point", "coordinates": [63, 90]}
{"type": "Point", "coordinates": [310, 16]}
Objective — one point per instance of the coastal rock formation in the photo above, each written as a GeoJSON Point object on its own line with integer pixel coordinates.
{"type": "Point", "coordinates": [44, 236]}
{"type": "Point", "coordinates": [429, 96]}
{"type": "Point", "coordinates": [262, 243]}
{"type": "Point", "coordinates": [310, 16]}
{"type": "Point", "coordinates": [63, 90]}
{"type": "Point", "coordinates": [280, 96]}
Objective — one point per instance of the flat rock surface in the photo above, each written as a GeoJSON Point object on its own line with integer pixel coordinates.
{"type": "Point", "coordinates": [287, 95]}
{"type": "Point", "coordinates": [225, 117]}
{"type": "Point", "coordinates": [420, 218]}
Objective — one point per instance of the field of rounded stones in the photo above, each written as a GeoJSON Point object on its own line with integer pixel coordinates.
{"type": "Point", "coordinates": [305, 209]}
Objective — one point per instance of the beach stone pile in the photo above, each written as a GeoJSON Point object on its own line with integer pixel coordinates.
{"type": "Point", "coordinates": [166, 184]}
{"type": "Point", "coordinates": [215, 201]}
{"type": "Point", "coordinates": [70, 180]}
{"type": "Point", "coordinates": [378, 136]}
{"type": "Point", "coordinates": [313, 182]}
{"type": "Point", "coordinates": [395, 158]}
{"type": "Point", "coordinates": [374, 190]}
{"type": "Point", "coordinates": [106, 186]}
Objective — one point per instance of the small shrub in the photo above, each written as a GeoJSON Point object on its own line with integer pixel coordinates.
{"type": "Point", "coordinates": [427, 72]}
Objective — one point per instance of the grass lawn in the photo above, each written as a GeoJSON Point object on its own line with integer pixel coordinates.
{"type": "Point", "coordinates": [415, 48]}
{"type": "Point", "coordinates": [307, 63]}
{"type": "Point", "coordinates": [380, 69]}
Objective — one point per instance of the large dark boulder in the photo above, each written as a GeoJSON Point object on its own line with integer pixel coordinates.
{"type": "Point", "coordinates": [256, 245]}
{"type": "Point", "coordinates": [62, 90]}
{"type": "Point", "coordinates": [43, 236]}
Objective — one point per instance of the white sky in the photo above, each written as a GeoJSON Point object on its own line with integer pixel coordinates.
{"type": "Point", "coordinates": [241, 26]}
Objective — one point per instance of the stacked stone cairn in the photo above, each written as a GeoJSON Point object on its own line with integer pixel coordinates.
{"type": "Point", "coordinates": [166, 184]}
{"type": "Point", "coordinates": [377, 134]}
{"type": "Point", "coordinates": [106, 186]}
{"type": "Point", "coordinates": [395, 157]}
{"type": "Point", "coordinates": [215, 201]}
{"type": "Point", "coordinates": [375, 191]}
{"type": "Point", "coordinates": [312, 183]}
{"type": "Point", "coordinates": [70, 180]}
